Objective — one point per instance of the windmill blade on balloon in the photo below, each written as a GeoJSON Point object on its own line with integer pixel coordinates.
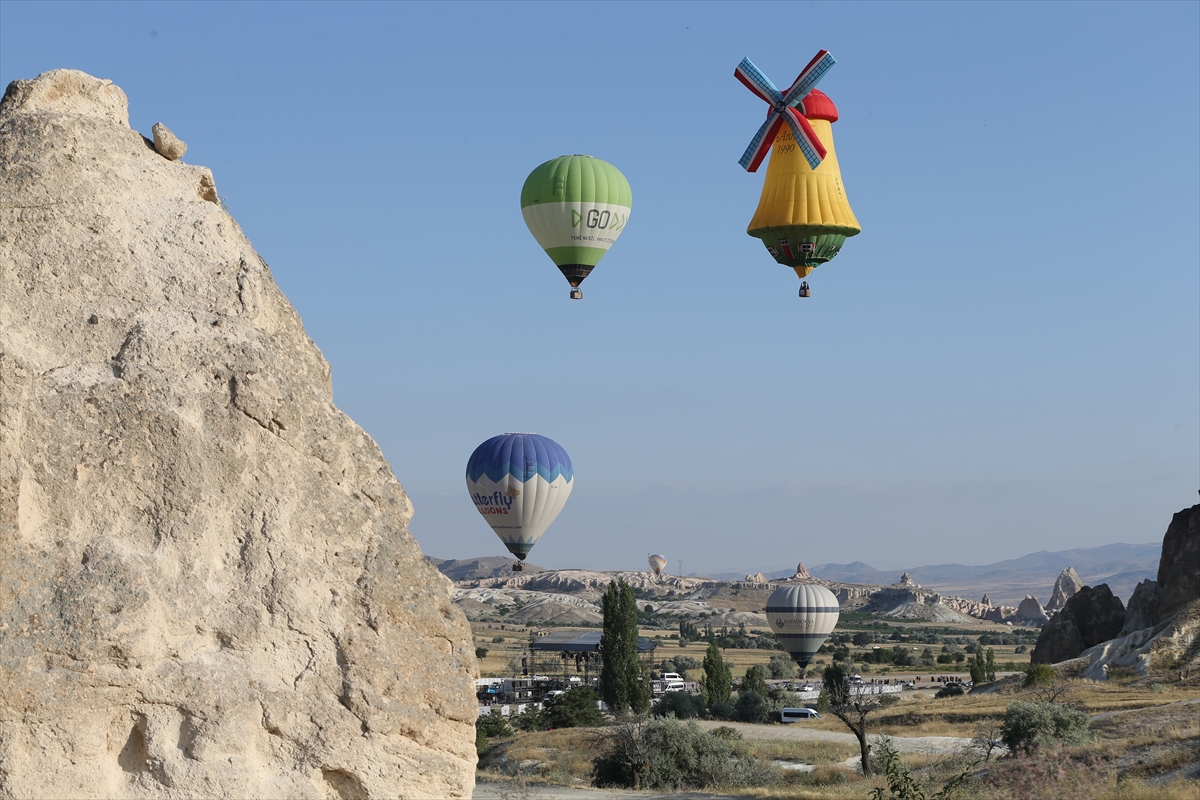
{"type": "Point", "coordinates": [803, 217]}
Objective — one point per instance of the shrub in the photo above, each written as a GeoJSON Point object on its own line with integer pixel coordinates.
{"type": "Point", "coordinates": [488, 726]}
{"type": "Point", "coordinates": [573, 709]}
{"type": "Point", "coordinates": [750, 707]}
{"type": "Point", "coordinates": [481, 742]}
{"type": "Point", "coordinates": [684, 705]}
{"type": "Point", "coordinates": [531, 720]}
{"type": "Point", "coordinates": [1039, 675]}
{"type": "Point", "coordinates": [950, 690]}
{"type": "Point", "coordinates": [481, 652]}
{"type": "Point", "coordinates": [823, 702]}
{"type": "Point", "coordinates": [727, 733]}
{"type": "Point", "coordinates": [1029, 725]}
{"type": "Point", "coordinates": [1048, 774]}
{"type": "Point", "coordinates": [492, 725]}
{"type": "Point", "coordinates": [721, 711]}
{"type": "Point", "coordinates": [780, 667]}
{"type": "Point", "coordinates": [668, 755]}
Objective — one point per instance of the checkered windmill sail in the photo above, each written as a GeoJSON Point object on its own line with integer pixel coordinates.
{"type": "Point", "coordinates": [783, 110]}
{"type": "Point", "coordinates": [803, 216]}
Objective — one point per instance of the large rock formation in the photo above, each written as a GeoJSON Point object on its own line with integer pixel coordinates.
{"type": "Point", "coordinates": [1179, 567]}
{"type": "Point", "coordinates": [1143, 608]}
{"type": "Point", "coordinates": [1030, 611]}
{"type": "Point", "coordinates": [1065, 587]}
{"type": "Point", "coordinates": [207, 585]}
{"type": "Point", "coordinates": [1092, 616]}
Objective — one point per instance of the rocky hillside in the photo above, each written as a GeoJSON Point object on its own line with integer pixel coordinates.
{"type": "Point", "coordinates": [1158, 633]}
{"type": "Point", "coordinates": [571, 597]}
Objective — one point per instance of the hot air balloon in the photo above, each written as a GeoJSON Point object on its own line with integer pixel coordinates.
{"type": "Point", "coordinates": [519, 482]}
{"type": "Point", "coordinates": [803, 216]}
{"type": "Point", "coordinates": [576, 206]}
{"type": "Point", "coordinates": [802, 616]}
{"type": "Point", "coordinates": [657, 562]}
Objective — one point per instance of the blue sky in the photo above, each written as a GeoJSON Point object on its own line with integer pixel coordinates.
{"type": "Point", "coordinates": [1007, 359]}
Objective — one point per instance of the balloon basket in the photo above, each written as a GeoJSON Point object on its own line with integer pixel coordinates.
{"type": "Point", "coordinates": [576, 294]}
{"type": "Point", "coordinates": [518, 567]}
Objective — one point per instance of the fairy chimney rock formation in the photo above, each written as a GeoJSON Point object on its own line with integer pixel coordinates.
{"type": "Point", "coordinates": [987, 601]}
{"type": "Point", "coordinates": [1065, 587]}
{"type": "Point", "coordinates": [1031, 611]}
{"type": "Point", "coordinates": [802, 573]}
{"type": "Point", "coordinates": [1093, 615]}
{"type": "Point", "coordinates": [207, 583]}
{"type": "Point", "coordinates": [1179, 567]}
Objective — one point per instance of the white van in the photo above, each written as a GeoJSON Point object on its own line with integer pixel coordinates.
{"type": "Point", "coordinates": [796, 714]}
{"type": "Point", "coordinates": [673, 682]}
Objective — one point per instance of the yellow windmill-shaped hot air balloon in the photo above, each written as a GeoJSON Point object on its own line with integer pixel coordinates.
{"type": "Point", "coordinates": [803, 215]}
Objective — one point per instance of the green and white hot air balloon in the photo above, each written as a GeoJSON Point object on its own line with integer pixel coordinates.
{"type": "Point", "coordinates": [576, 206]}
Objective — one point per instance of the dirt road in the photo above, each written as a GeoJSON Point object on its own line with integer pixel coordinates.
{"type": "Point", "coordinates": [796, 732]}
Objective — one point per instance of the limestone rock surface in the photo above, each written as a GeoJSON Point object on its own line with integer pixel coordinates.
{"type": "Point", "coordinates": [1065, 587]}
{"type": "Point", "coordinates": [1092, 616]}
{"type": "Point", "coordinates": [1179, 567]}
{"type": "Point", "coordinates": [207, 584]}
{"type": "Point", "coordinates": [167, 144]}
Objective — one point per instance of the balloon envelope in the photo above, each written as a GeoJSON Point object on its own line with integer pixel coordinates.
{"type": "Point", "coordinates": [519, 482]}
{"type": "Point", "coordinates": [802, 616]}
{"type": "Point", "coordinates": [657, 562]}
{"type": "Point", "coordinates": [576, 207]}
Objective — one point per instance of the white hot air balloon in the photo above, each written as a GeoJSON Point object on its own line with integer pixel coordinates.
{"type": "Point", "coordinates": [657, 562]}
{"type": "Point", "coordinates": [802, 617]}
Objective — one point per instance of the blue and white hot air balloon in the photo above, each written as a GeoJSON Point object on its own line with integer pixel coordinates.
{"type": "Point", "coordinates": [519, 482]}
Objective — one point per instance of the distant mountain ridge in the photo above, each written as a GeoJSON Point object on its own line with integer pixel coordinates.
{"type": "Point", "coordinates": [1007, 582]}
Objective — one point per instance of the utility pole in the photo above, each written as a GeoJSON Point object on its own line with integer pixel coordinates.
{"type": "Point", "coordinates": [681, 567]}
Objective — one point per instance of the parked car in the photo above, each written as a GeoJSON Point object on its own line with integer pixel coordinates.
{"type": "Point", "coordinates": [796, 714]}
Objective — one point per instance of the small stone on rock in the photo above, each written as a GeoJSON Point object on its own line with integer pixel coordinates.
{"type": "Point", "coordinates": [168, 144]}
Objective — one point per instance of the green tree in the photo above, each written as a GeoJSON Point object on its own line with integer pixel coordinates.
{"type": "Point", "coordinates": [751, 707]}
{"type": "Point", "coordinates": [481, 652]}
{"type": "Point", "coordinates": [990, 664]}
{"type": "Point", "coordinates": [623, 684]}
{"type": "Point", "coordinates": [755, 681]}
{"type": "Point", "coordinates": [978, 667]}
{"type": "Point", "coordinates": [573, 709]}
{"type": "Point", "coordinates": [781, 666]}
{"type": "Point", "coordinates": [718, 681]}
{"type": "Point", "coordinates": [852, 708]}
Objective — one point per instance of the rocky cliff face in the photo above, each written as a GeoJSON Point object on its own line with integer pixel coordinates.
{"type": "Point", "coordinates": [1179, 568]}
{"type": "Point", "coordinates": [207, 585]}
{"type": "Point", "coordinates": [1090, 617]}
{"type": "Point", "coordinates": [1065, 587]}
{"type": "Point", "coordinates": [1144, 604]}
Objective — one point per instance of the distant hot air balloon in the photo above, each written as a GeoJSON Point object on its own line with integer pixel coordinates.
{"type": "Point", "coordinates": [576, 207]}
{"type": "Point", "coordinates": [519, 482]}
{"type": "Point", "coordinates": [803, 216]}
{"type": "Point", "coordinates": [802, 616]}
{"type": "Point", "coordinates": [657, 562]}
